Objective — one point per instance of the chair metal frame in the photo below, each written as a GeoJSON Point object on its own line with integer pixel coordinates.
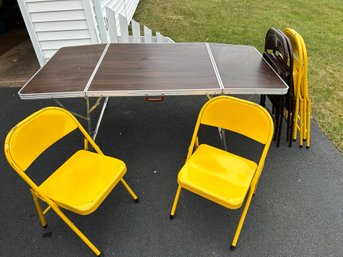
{"type": "Point", "coordinates": [20, 166]}
{"type": "Point", "coordinates": [231, 104]}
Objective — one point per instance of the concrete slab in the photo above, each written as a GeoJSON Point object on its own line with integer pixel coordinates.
{"type": "Point", "coordinates": [18, 64]}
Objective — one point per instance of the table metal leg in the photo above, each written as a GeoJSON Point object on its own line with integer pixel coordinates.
{"type": "Point", "coordinates": [100, 118]}
{"type": "Point", "coordinates": [220, 130]}
{"type": "Point", "coordinates": [74, 113]}
{"type": "Point", "coordinates": [89, 118]}
{"type": "Point", "coordinates": [222, 137]}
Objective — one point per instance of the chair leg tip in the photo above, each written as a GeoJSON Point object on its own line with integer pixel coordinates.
{"type": "Point", "coordinates": [171, 217]}
{"type": "Point", "coordinates": [45, 226]}
{"type": "Point", "coordinates": [233, 248]}
{"type": "Point", "coordinates": [300, 146]}
{"type": "Point", "coordinates": [137, 200]}
{"type": "Point", "coordinates": [307, 147]}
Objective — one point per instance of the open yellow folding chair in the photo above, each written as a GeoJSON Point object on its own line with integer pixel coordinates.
{"type": "Point", "coordinates": [220, 176]}
{"type": "Point", "coordinates": [302, 113]}
{"type": "Point", "coordinates": [82, 182]}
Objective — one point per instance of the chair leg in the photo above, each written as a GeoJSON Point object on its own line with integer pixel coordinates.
{"type": "Point", "coordinates": [75, 229]}
{"type": "Point", "coordinates": [85, 144]}
{"type": "Point", "coordinates": [288, 112]}
{"type": "Point", "coordinates": [176, 200]}
{"type": "Point", "coordinates": [241, 221]}
{"type": "Point", "coordinates": [263, 100]}
{"type": "Point", "coordinates": [196, 142]}
{"type": "Point", "coordinates": [39, 209]}
{"type": "Point", "coordinates": [305, 119]}
{"type": "Point", "coordinates": [280, 118]}
{"type": "Point", "coordinates": [295, 119]}
{"type": "Point", "coordinates": [308, 129]}
{"type": "Point", "coordinates": [289, 129]}
{"type": "Point", "coordinates": [134, 196]}
{"type": "Point", "coordinates": [288, 126]}
{"type": "Point", "coordinates": [301, 126]}
{"type": "Point", "coordinates": [276, 125]}
{"type": "Point", "coordinates": [291, 120]}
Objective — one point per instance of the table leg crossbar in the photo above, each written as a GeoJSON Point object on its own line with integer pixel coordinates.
{"type": "Point", "coordinates": [88, 117]}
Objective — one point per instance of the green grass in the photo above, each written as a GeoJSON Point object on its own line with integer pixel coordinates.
{"type": "Point", "coordinates": [320, 22]}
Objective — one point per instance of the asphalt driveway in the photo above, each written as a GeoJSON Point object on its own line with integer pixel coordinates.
{"type": "Point", "coordinates": [297, 209]}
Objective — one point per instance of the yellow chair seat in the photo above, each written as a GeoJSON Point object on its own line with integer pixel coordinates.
{"type": "Point", "coordinates": [84, 181]}
{"type": "Point", "coordinates": [218, 175]}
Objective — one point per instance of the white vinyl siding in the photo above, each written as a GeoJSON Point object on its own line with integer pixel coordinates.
{"type": "Point", "coordinates": [58, 16]}
{"type": "Point", "coordinates": [63, 35]}
{"type": "Point", "coordinates": [58, 23]}
{"type": "Point", "coordinates": [53, 24]}
{"type": "Point", "coordinates": [53, 6]}
{"type": "Point", "coordinates": [60, 26]}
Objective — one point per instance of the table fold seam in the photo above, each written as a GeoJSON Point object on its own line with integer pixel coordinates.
{"type": "Point", "coordinates": [214, 65]}
{"type": "Point", "coordinates": [102, 56]}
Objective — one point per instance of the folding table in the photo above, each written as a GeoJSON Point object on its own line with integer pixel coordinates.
{"type": "Point", "coordinates": [153, 71]}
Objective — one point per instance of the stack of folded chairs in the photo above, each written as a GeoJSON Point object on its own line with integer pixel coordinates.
{"type": "Point", "coordinates": [286, 53]}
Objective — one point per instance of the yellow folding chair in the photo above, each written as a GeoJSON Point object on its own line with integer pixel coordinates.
{"type": "Point", "coordinates": [302, 112]}
{"type": "Point", "coordinates": [219, 176]}
{"type": "Point", "coordinates": [81, 184]}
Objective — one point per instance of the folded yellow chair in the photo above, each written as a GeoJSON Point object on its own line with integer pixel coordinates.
{"type": "Point", "coordinates": [218, 175]}
{"type": "Point", "coordinates": [302, 113]}
{"type": "Point", "coordinates": [81, 184]}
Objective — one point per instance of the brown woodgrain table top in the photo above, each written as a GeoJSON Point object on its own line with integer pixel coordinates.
{"type": "Point", "coordinates": [153, 69]}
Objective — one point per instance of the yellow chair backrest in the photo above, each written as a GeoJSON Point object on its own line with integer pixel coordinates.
{"type": "Point", "coordinates": [237, 115]}
{"type": "Point", "coordinates": [31, 137]}
{"type": "Point", "coordinates": [305, 62]}
{"type": "Point", "coordinates": [299, 62]}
